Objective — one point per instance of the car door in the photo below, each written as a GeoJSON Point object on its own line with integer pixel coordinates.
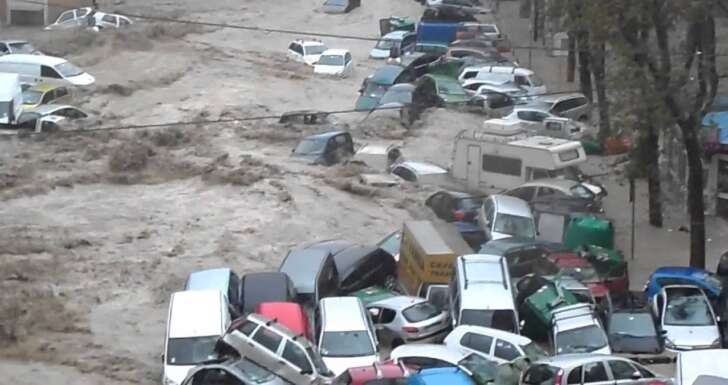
{"type": "Point", "coordinates": [478, 343]}
{"type": "Point", "coordinates": [295, 364]}
{"type": "Point", "coordinates": [383, 319]}
{"type": "Point", "coordinates": [505, 350]}
{"type": "Point", "coordinates": [348, 65]}
{"type": "Point", "coordinates": [408, 43]}
{"type": "Point", "coordinates": [263, 347]}
{"type": "Point", "coordinates": [625, 373]}
{"type": "Point", "coordinates": [66, 18]}
{"type": "Point", "coordinates": [595, 373]}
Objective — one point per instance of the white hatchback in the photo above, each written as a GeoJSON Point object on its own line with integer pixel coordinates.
{"type": "Point", "coordinates": [493, 344]}
{"type": "Point", "coordinates": [335, 62]}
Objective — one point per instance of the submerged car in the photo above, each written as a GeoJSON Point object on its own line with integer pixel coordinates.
{"type": "Point", "coordinates": [79, 18]}
{"type": "Point", "coordinates": [376, 85]}
{"type": "Point", "coordinates": [335, 62]}
{"type": "Point", "coordinates": [686, 318]}
{"type": "Point", "coordinates": [9, 47]}
{"type": "Point", "coordinates": [306, 51]}
{"type": "Point", "coordinates": [401, 41]}
{"type": "Point", "coordinates": [340, 6]}
{"type": "Point", "coordinates": [440, 89]}
{"type": "Point", "coordinates": [45, 93]}
{"type": "Point", "coordinates": [326, 148]}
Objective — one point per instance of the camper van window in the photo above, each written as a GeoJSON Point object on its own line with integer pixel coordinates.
{"type": "Point", "coordinates": [502, 165]}
{"type": "Point", "coordinates": [566, 156]}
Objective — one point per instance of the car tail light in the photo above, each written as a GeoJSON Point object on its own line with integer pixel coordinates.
{"type": "Point", "coordinates": [459, 215]}
{"type": "Point", "coordinates": [558, 376]}
{"type": "Point", "coordinates": [410, 329]}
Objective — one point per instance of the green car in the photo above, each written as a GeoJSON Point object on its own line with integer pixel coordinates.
{"type": "Point", "coordinates": [440, 90]}
{"type": "Point", "coordinates": [373, 294]}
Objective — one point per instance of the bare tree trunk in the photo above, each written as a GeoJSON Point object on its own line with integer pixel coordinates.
{"type": "Point", "coordinates": [696, 206]}
{"type": "Point", "coordinates": [571, 59]}
{"type": "Point", "coordinates": [585, 80]}
{"type": "Point", "coordinates": [599, 70]}
{"type": "Point", "coordinates": [652, 154]}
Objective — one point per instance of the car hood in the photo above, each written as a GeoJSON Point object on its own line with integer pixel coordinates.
{"type": "Point", "coordinates": [635, 345]}
{"type": "Point", "coordinates": [311, 59]}
{"type": "Point", "coordinates": [328, 70]}
{"type": "Point", "coordinates": [83, 79]}
{"type": "Point", "coordinates": [339, 365]}
{"type": "Point", "coordinates": [176, 373]}
{"type": "Point", "coordinates": [690, 336]}
{"type": "Point", "coordinates": [377, 53]}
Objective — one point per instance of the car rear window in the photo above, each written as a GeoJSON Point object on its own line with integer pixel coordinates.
{"type": "Point", "coordinates": [420, 312]}
{"type": "Point", "coordinates": [540, 375]}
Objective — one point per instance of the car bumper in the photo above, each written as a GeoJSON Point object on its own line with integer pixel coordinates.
{"type": "Point", "coordinates": [435, 337]}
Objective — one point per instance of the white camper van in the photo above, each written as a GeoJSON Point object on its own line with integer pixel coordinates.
{"type": "Point", "coordinates": [11, 98]}
{"type": "Point", "coordinates": [500, 156]}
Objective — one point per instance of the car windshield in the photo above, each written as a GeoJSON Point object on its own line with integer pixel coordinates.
{"type": "Point", "coordinates": [581, 273]}
{"type": "Point", "coordinates": [375, 89]}
{"type": "Point", "coordinates": [387, 43]}
{"type": "Point", "coordinates": [68, 70]}
{"type": "Point", "coordinates": [533, 351]}
{"type": "Point", "coordinates": [580, 191]}
{"type": "Point", "coordinates": [341, 3]}
{"type": "Point", "coordinates": [253, 372]}
{"type": "Point", "coordinates": [449, 88]}
{"type": "Point", "coordinates": [191, 351]}
{"type": "Point", "coordinates": [420, 312]}
{"type": "Point", "coordinates": [21, 47]}
{"type": "Point", "coordinates": [397, 96]}
{"type": "Point", "coordinates": [316, 49]}
{"type": "Point", "coordinates": [517, 226]}
{"type": "Point", "coordinates": [497, 319]}
{"type": "Point", "coordinates": [688, 310]}
{"type": "Point", "coordinates": [346, 344]}
{"type": "Point", "coordinates": [32, 97]}
{"type": "Point", "coordinates": [391, 243]}
{"type": "Point", "coordinates": [580, 340]}
{"type": "Point", "coordinates": [331, 60]}
{"type": "Point", "coordinates": [483, 370]}
{"type": "Point", "coordinates": [310, 146]}
{"type": "Point", "coordinates": [632, 325]}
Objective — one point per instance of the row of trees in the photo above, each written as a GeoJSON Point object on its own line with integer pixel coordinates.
{"type": "Point", "coordinates": [662, 58]}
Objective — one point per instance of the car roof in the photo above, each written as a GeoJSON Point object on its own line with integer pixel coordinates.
{"type": "Point", "coordinates": [308, 42]}
{"type": "Point", "coordinates": [683, 271]}
{"type": "Point", "coordinates": [45, 86]}
{"type": "Point", "coordinates": [502, 334]}
{"type": "Point", "coordinates": [375, 371]}
{"type": "Point", "coordinates": [402, 87]}
{"type": "Point", "coordinates": [386, 74]}
{"type": "Point", "coordinates": [573, 316]}
{"type": "Point", "coordinates": [485, 274]}
{"type": "Point", "coordinates": [324, 135]}
{"type": "Point", "coordinates": [553, 98]}
{"type": "Point", "coordinates": [398, 302]}
{"type": "Point", "coordinates": [335, 51]}
{"type": "Point", "coordinates": [438, 376]}
{"type": "Point", "coordinates": [290, 314]}
{"type": "Point", "coordinates": [34, 59]}
{"type": "Point", "coordinates": [303, 266]}
{"type": "Point", "coordinates": [339, 316]}
{"type": "Point", "coordinates": [196, 313]}
{"type": "Point", "coordinates": [442, 78]}
{"type": "Point", "coordinates": [505, 204]}
{"type": "Point", "coordinates": [551, 182]}
{"type": "Point", "coordinates": [436, 351]}
{"type": "Point", "coordinates": [396, 35]}
{"type": "Point", "coordinates": [46, 109]}
{"type": "Point", "coordinates": [422, 168]}
{"type": "Point", "coordinates": [209, 279]}
{"type": "Point", "coordinates": [568, 360]}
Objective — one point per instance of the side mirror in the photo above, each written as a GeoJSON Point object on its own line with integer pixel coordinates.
{"type": "Point", "coordinates": [306, 372]}
{"type": "Point", "coordinates": [374, 312]}
{"type": "Point", "coordinates": [636, 376]}
{"type": "Point", "coordinates": [663, 332]}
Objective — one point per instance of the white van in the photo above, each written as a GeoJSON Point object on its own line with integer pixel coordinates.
{"type": "Point", "coordinates": [346, 334]}
{"type": "Point", "coordinates": [36, 68]}
{"type": "Point", "coordinates": [501, 156]}
{"type": "Point", "coordinates": [11, 98]}
{"type": "Point", "coordinates": [481, 293]}
{"type": "Point", "coordinates": [522, 77]}
{"type": "Point", "coordinates": [197, 319]}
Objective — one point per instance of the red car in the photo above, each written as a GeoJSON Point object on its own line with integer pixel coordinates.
{"type": "Point", "coordinates": [288, 314]}
{"type": "Point", "coordinates": [617, 281]}
{"type": "Point", "coordinates": [396, 374]}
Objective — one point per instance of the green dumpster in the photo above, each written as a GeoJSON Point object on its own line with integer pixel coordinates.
{"type": "Point", "coordinates": [538, 309]}
{"type": "Point", "coordinates": [589, 230]}
{"type": "Point", "coordinates": [373, 294]}
{"type": "Point", "coordinates": [591, 147]}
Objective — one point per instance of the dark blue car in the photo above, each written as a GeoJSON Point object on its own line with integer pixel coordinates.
{"type": "Point", "coordinates": [680, 275]}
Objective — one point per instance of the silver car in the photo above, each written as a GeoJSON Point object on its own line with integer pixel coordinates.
{"type": "Point", "coordinates": [595, 369]}
{"type": "Point", "coordinates": [686, 317]}
{"type": "Point", "coordinates": [577, 329]}
{"type": "Point", "coordinates": [232, 372]}
{"type": "Point", "coordinates": [573, 106]}
{"type": "Point", "coordinates": [276, 348]}
{"type": "Point", "coordinates": [405, 319]}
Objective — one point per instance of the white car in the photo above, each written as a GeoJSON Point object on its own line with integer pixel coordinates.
{"type": "Point", "coordinates": [493, 344]}
{"type": "Point", "coordinates": [408, 171]}
{"type": "Point", "coordinates": [686, 318]}
{"type": "Point", "coordinates": [306, 51]}
{"type": "Point", "coordinates": [334, 62]}
{"type": "Point", "coordinates": [404, 319]}
{"type": "Point", "coordinates": [577, 329]}
{"type": "Point", "coordinates": [691, 365]}
{"type": "Point", "coordinates": [9, 47]}
{"type": "Point", "coordinates": [77, 18]}
{"type": "Point", "coordinates": [503, 216]}
{"type": "Point", "coordinates": [438, 356]}
{"type": "Point", "coordinates": [346, 334]}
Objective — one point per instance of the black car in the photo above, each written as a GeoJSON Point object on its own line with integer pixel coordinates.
{"type": "Point", "coordinates": [359, 266]}
{"type": "Point", "coordinates": [260, 287]}
{"type": "Point", "coordinates": [634, 331]}
{"type": "Point", "coordinates": [326, 148]}
{"type": "Point", "coordinates": [454, 206]}
{"type": "Point", "coordinates": [340, 6]}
